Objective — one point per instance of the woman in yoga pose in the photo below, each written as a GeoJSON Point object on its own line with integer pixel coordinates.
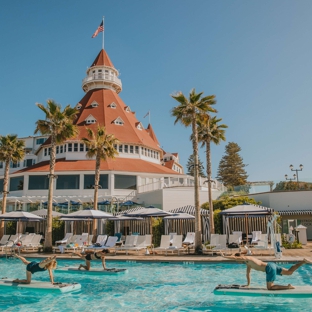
{"type": "Point", "coordinates": [33, 267]}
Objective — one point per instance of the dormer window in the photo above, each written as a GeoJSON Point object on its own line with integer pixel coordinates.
{"type": "Point", "coordinates": [127, 109]}
{"type": "Point", "coordinates": [94, 104]}
{"type": "Point", "coordinates": [78, 106]}
{"type": "Point", "coordinates": [118, 121]}
{"type": "Point", "coordinates": [139, 126]}
{"type": "Point", "coordinates": [90, 120]}
{"type": "Point", "coordinates": [112, 105]}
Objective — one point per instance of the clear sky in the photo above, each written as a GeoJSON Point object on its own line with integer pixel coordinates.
{"type": "Point", "coordinates": [255, 56]}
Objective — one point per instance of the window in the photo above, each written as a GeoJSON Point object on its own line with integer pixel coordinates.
{"type": "Point", "coordinates": [57, 149]}
{"type": "Point", "coordinates": [94, 104]}
{"type": "Point", "coordinates": [127, 109]}
{"type": "Point", "coordinates": [112, 105]}
{"type": "Point", "coordinates": [139, 126]}
{"type": "Point", "coordinates": [126, 148]}
{"type": "Point", "coordinates": [88, 181]}
{"type": "Point", "coordinates": [137, 150]}
{"type": "Point", "coordinates": [87, 148]}
{"type": "Point", "coordinates": [81, 147]}
{"type": "Point", "coordinates": [49, 151]}
{"type": "Point", "coordinates": [40, 141]}
{"type": "Point", "coordinates": [61, 149]}
{"type": "Point", "coordinates": [131, 149]}
{"type": "Point", "coordinates": [1, 166]}
{"type": "Point", "coordinates": [120, 149]}
{"type": "Point", "coordinates": [28, 162]}
{"type": "Point", "coordinates": [14, 164]}
{"type": "Point", "coordinates": [67, 182]}
{"type": "Point", "coordinates": [90, 121]}
{"type": "Point", "coordinates": [17, 183]}
{"type": "Point", "coordinates": [75, 147]}
{"type": "Point", "coordinates": [125, 182]}
{"type": "Point", "coordinates": [70, 147]}
{"type": "Point", "coordinates": [79, 106]}
{"type": "Point", "coordinates": [118, 121]}
{"type": "Point", "coordinates": [115, 147]}
{"type": "Point", "coordinates": [64, 148]}
{"type": "Point", "coordinates": [1, 185]}
{"type": "Point", "coordinates": [38, 182]}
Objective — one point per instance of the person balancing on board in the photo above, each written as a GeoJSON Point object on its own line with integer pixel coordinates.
{"type": "Point", "coordinates": [270, 268]}
{"type": "Point", "coordinates": [33, 267]}
{"type": "Point", "coordinates": [89, 256]}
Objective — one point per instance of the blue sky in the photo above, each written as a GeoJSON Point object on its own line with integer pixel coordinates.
{"type": "Point", "coordinates": [255, 56]}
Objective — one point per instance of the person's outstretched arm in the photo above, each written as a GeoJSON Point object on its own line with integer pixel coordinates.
{"type": "Point", "coordinates": [51, 276]}
{"type": "Point", "coordinates": [228, 257]}
{"type": "Point", "coordinates": [103, 262]}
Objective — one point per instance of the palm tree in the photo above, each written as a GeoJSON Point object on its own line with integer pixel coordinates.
{"type": "Point", "coordinates": [210, 131]}
{"type": "Point", "coordinates": [187, 112]}
{"type": "Point", "coordinates": [11, 150]}
{"type": "Point", "coordinates": [59, 125]}
{"type": "Point", "coordinates": [101, 146]}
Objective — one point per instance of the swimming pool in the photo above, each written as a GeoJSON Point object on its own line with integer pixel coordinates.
{"type": "Point", "coordinates": [150, 287]}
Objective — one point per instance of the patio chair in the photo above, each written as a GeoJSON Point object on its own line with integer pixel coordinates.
{"type": "Point", "coordinates": [34, 245]}
{"type": "Point", "coordinates": [256, 236]}
{"type": "Point", "coordinates": [171, 237]}
{"type": "Point", "coordinates": [130, 242]}
{"type": "Point", "coordinates": [233, 240]}
{"type": "Point", "coordinates": [176, 244]}
{"type": "Point", "coordinates": [110, 243]}
{"type": "Point", "coordinates": [189, 239]}
{"type": "Point", "coordinates": [11, 242]}
{"type": "Point", "coordinates": [164, 243]}
{"type": "Point", "coordinates": [240, 234]}
{"type": "Point", "coordinates": [4, 239]}
{"type": "Point", "coordinates": [139, 244]}
{"type": "Point", "coordinates": [100, 242]}
{"type": "Point", "coordinates": [65, 239]}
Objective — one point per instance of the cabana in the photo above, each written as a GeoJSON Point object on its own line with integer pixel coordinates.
{"type": "Point", "coordinates": [246, 218]}
{"type": "Point", "coordinates": [188, 225]}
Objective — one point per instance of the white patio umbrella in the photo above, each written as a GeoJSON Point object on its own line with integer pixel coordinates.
{"type": "Point", "coordinates": [44, 212]}
{"type": "Point", "coordinates": [86, 215]}
{"type": "Point", "coordinates": [19, 215]}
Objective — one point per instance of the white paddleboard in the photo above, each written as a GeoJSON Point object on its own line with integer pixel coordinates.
{"type": "Point", "coordinates": [41, 286]}
{"type": "Point", "coordinates": [237, 290]}
{"type": "Point", "coordinates": [91, 271]}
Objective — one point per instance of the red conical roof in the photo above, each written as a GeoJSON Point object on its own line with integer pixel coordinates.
{"type": "Point", "coordinates": [102, 59]}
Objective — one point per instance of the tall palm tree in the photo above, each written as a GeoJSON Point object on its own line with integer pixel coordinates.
{"type": "Point", "coordinates": [59, 125]}
{"type": "Point", "coordinates": [11, 150]}
{"type": "Point", "coordinates": [187, 113]}
{"type": "Point", "coordinates": [209, 130]}
{"type": "Point", "coordinates": [101, 146]}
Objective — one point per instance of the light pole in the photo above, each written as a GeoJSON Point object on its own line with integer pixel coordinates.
{"type": "Point", "coordinates": [290, 179]}
{"type": "Point", "coordinates": [292, 169]}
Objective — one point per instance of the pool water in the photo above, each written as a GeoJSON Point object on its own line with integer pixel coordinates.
{"type": "Point", "coordinates": [150, 287]}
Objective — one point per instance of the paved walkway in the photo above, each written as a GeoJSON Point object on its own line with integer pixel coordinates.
{"type": "Point", "coordinates": [288, 255]}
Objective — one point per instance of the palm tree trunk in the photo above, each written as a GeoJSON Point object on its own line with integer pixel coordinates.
{"type": "Point", "coordinates": [5, 193]}
{"type": "Point", "coordinates": [96, 190]}
{"type": "Point", "coordinates": [198, 243]}
{"type": "Point", "coordinates": [208, 160]}
{"type": "Point", "coordinates": [48, 232]}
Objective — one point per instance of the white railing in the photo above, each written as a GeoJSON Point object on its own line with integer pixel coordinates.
{"type": "Point", "coordinates": [178, 182]}
{"type": "Point", "coordinates": [102, 77]}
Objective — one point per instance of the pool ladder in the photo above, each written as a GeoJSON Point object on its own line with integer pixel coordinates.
{"type": "Point", "coordinates": [11, 254]}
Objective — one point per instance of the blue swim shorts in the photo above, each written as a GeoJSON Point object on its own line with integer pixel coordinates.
{"type": "Point", "coordinates": [271, 270]}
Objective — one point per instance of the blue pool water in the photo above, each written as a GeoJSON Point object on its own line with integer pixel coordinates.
{"type": "Point", "coordinates": [150, 287]}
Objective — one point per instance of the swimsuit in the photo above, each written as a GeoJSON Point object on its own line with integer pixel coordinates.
{"type": "Point", "coordinates": [34, 267]}
{"type": "Point", "coordinates": [88, 257]}
{"type": "Point", "coordinates": [271, 270]}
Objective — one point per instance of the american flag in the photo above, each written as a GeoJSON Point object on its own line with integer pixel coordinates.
{"type": "Point", "coordinates": [99, 29]}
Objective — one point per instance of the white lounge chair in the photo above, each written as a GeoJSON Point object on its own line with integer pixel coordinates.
{"type": "Point", "coordinates": [34, 245]}
{"type": "Point", "coordinates": [129, 243]}
{"type": "Point", "coordinates": [233, 239]}
{"type": "Point", "coordinates": [214, 241]}
{"type": "Point", "coordinates": [100, 242]}
{"type": "Point", "coordinates": [171, 237]}
{"type": "Point", "coordinates": [13, 240]}
{"type": "Point", "coordinates": [189, 239]}
{"type": "Point", "coordinates": [176, 244]}
{"type": "Point", "coordinates": [110, 243]}
{"type": "Point", "coordinates": [240, 235]}
{"type": "Point", "coordinates": [256, 236]}
{"type": "Point", "coordinates": [65, 239]}
{"type": "Point", "coordinates": [4, 239]}
{"type": "Point", "coordinates": [164, 243]}
{"type": "Point", "coordinates": [139, 245]}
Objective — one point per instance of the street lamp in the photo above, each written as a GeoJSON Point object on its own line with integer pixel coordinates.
{"type": "Point", "coordinates": [290, 179]}
{"type": "Point", "coordinates": [292, 169]}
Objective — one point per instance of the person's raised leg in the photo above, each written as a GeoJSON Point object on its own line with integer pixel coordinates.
{"type": "Point", "coordinates": [22, 259]}
{"type": "Point", "coordinates": [295, 267]}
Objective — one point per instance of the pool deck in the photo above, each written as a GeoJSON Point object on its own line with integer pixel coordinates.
{"type": "Point", "coordinates": [289, 255]}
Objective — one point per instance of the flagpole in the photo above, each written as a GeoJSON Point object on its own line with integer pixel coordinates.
{"type": "Point", "coordinates": [103, 34]}
{"type": "Point", "coordinates": [149, 117]}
